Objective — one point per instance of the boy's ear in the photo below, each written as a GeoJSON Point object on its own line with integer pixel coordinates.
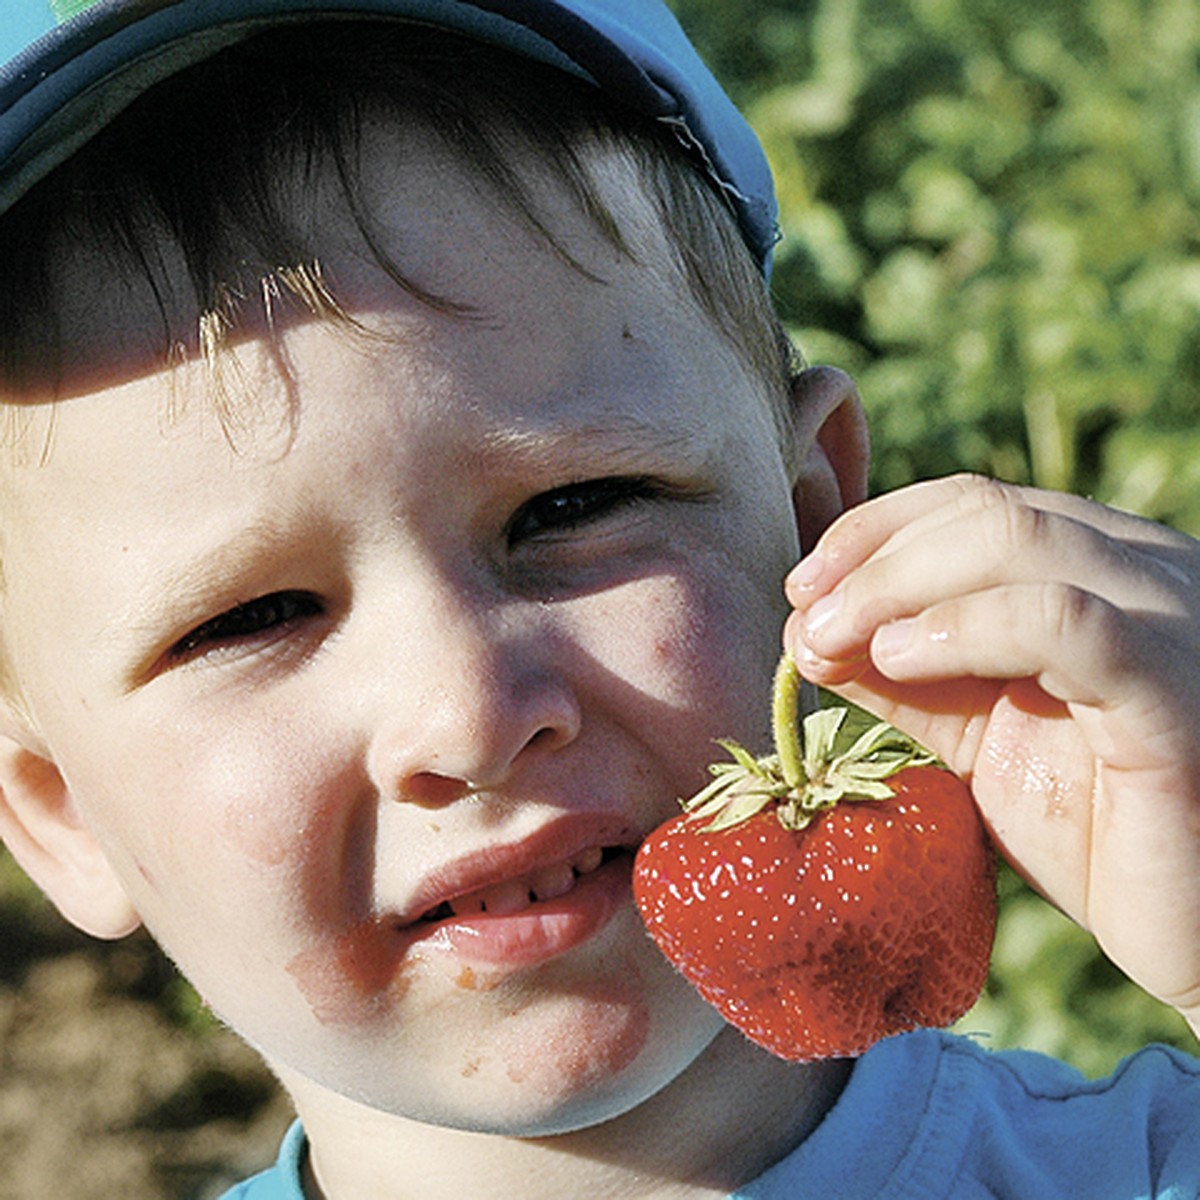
{"type": "Point", "coordinates": [42, 830]}
{"type": "Point", "coordinates": [832, 449]}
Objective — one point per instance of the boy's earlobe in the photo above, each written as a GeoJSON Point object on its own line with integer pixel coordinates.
{"type": "Point", "coordinates": [832, 449]}
{"type": "Point", "coordinates": [41, 828]}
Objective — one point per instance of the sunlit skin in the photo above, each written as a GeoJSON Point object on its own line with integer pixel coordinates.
{"type": "Point", "coordinates": [450, 613]}
{"type": "Point", "coordinates": [444, 617]}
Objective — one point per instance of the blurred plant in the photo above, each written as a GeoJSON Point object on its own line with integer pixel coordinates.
{"type": "Point", "coordinates": [990, 217]}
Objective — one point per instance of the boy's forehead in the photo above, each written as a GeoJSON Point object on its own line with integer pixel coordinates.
{"type": "Point", "coordinates": [434, 223]}
{"type": "Point", "coordinates": [59, 91]}
{"type": "Point", "coordinates": [551, 357]}
{"type": "Point", "coordinates": [444, 233]}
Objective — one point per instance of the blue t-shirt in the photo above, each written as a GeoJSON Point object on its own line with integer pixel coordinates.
{"type": "Point", "coordinates": [930, 1115]}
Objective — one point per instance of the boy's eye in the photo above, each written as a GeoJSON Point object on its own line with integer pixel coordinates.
{"type": "Point", "coordinates": [246, 621]}
{"type": "Point", "coordinates": [562, 509]}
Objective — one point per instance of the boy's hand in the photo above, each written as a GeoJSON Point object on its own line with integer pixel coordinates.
{"type": "Point", "coordinates": [1048, 649]}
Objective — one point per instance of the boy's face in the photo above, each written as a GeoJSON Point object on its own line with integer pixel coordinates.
{"type": "Point", "coordinates": [457, 635]}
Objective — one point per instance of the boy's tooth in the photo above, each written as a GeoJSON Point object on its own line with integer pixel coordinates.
{"type": "Point", "coordinates": [510, 896]}
{"type": "Point", "coordinates": [547, 883]}
{"type": "Point", "coordinates": [588, 860]}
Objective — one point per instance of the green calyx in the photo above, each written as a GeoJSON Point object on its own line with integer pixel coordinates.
{"type": "Point", "coordinates": [843, 754]}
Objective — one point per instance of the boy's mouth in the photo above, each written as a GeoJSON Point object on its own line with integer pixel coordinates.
{"type": "Point", "coordinates": [540, 908]}
{"type": "Point", "coordinates": [522, 902]}
{"type": "Point", "coordinates": [547, 882]}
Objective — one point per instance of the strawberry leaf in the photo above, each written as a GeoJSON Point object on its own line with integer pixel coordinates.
{"type": "Point", "coordinates": [743, 757]}
{"type": "Point", "coordinates": [820, 739]}
{"type": "Point", "coordinates": [843, 753]}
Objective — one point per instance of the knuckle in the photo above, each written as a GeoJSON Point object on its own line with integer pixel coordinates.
{"type": "Point", "coordinates": [1067, 611]}
{"type": "Point", "coordinates": [973, 489]}
{"type": "Point", "coordinates": [1010, 525]}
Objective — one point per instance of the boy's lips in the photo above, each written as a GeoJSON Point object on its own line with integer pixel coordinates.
{"type": "Point", "coordinates": [518, 904]}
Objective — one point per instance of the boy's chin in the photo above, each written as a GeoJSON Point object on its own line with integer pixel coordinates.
{"type": "Point", "coordinates": [546, 1108]}
{"type": "Point", "coordinates": [552, 1079]}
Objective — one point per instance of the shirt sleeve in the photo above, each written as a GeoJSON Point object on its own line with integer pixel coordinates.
{"type": "Point", "coordinates": [930, 1115]}
{"type": "Point", "coordinates": [283, 1181]}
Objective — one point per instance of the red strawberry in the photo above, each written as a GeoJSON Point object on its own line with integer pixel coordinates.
{"type": "Point", "coordinates": [818, 927]}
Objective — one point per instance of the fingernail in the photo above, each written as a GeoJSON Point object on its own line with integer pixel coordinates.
{"type": "Point", "coordinates": [807, 573]}
{"type": "Point", "coordinates": [822, 612]}
{"type": "Point", "coordinates": [893, 640]}
{"type": "Point", "coordinates": [805, 656]}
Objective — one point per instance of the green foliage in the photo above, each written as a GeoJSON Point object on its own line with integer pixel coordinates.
{"type": "Point", "coordinates": [1051, 990]}
{"type": "Point", "coordinates": [19, 897]}
{"type": "Point", "coordinates": [990, 218]}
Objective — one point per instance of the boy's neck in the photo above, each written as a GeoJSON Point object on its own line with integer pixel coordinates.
{"type": "Point", "coordinates": [729, 1117]}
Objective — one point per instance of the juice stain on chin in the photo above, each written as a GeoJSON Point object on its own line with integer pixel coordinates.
{"type": "Point", "coordinates": [349, 978]}
{"type": "Point", "coordinates": [470, 980]}
{"type": "Point", "coordinates": [603, 1031]}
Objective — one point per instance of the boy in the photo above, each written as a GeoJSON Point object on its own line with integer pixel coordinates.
{"type": "Point", "coordinates": [402, 463]}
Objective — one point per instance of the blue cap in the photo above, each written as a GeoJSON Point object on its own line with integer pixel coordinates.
{"type": "Point", "coordinates": [64, 86]}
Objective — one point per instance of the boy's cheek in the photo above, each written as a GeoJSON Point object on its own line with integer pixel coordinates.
{"type": "Point", "coordinates": [200, 820]}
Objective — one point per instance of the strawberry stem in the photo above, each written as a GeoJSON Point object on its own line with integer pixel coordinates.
{"type": "Point", "coordinates": [842, 753]}
{"type": "Point", "coordinates": [785, 722]}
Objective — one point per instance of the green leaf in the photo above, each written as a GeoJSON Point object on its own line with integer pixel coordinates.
{"type": "Point", "coordinates": [820, 736]}
{"type": "Point", "coordinates": [740, 807]}
{"type": "Point", "coordinates": [741, 756]}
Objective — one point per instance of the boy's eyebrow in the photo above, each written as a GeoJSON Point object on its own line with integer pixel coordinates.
{"type": "Point", "coordinates": [623, 436]}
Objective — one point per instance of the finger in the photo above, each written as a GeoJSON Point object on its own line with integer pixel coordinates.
{"type": "Point", "coordinates": [884, 524]}
{"type": "Point", "coordinates": [891, 522]}
{"type": "Point", "coordinates": [953, 496]}
{"type": "Point", "coordinates": [948, 716]}
{"type": "Point", "coordinates": [1115, 673]}
{"type": "Point", "coordinates": [992, 546]}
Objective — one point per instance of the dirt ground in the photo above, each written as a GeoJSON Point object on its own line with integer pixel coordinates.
{"type": "Point", "coordinates": [112, 1083]}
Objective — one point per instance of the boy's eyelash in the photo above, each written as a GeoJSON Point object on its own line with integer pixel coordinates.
{"type": "Point", "coordinates": [248, 620]}
{"type": "Point", "coordinates": [564, 508]}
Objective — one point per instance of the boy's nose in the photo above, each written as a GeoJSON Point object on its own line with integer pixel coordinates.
{"type": "Point", "coordinates": [476, 697]}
